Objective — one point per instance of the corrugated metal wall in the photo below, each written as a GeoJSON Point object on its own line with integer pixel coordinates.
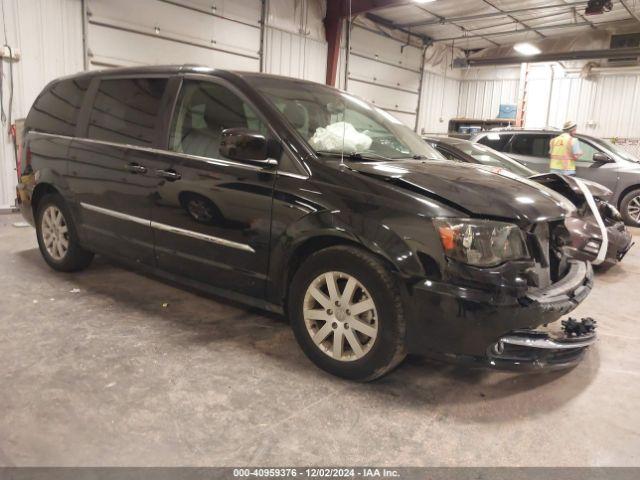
{"type": "Point", "coordinates": [604, 105]}
{"type": "Point", "coordinates": [483, 90]}
{"type": "Point", "coordinates": [295, 56]}
{"type": "Point", "coordinates": [439, 102]}
{"type": "Point", "coordinates": [48, 35]}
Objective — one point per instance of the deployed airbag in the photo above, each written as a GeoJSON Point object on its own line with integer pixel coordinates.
{"type": "Point", "coordinates": [340, 137]}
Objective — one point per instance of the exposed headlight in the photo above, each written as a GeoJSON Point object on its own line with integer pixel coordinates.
{"type": "Point", "coordinates": [482, 243]}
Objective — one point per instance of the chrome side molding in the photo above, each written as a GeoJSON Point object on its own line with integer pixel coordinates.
{"type": "Point", "coordinates": [168, 228]}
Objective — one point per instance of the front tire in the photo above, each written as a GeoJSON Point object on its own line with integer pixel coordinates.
{"type": "Point", "coordinates": [57, 236]}
{"type": "Point", "coordinates": [630, 208]}
{"type": "Point", "coordinates": [347, 315]}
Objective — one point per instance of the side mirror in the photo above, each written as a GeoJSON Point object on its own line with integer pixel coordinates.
{"type": "Point", "coordinates": [600, 157]}
{"type": "Point", "coordinates": [246, 145]}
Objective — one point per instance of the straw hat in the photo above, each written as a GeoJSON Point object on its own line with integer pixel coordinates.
{"type": "Point", "coordinates": [569, 125]}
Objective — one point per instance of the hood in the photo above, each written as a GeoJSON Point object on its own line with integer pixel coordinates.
{"type": "Point", "coordinates": [476, 190]}
{"type": "Point", "coordinates": [568, 186]}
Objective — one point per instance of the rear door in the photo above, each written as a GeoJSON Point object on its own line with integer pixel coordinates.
{"type": "Point", "coordinates": [211, 215]}
{"type": "Point", "coordinates": [532, 149]}
{"type": "Point", "coordinates": [112, 186]}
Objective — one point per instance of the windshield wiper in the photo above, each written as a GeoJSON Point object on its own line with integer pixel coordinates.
{"type": "Point", "coordinates": [356, 156]}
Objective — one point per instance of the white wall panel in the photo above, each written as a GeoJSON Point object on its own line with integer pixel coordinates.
{"type": "Point", "coordinates": [122, 33]}
{"type": "Point", "coordinates": [439, 102]}
{"type": "Point", "coordinates": [482, 98]}
{"type": "Point", "coordinates": [295, 55]}
{"type": "Point", "coordinates": [604, 105]}
{"type": "Point", "coordinates": [386, 98]}
{"type": "Point", "coordinates": [48, 35]}
{"type": "Point", "coordinates": [371, 70]}
{"type": "Point", "coordinates": [386, 72]}
{"type": "Point", "coordinates": [301, 17]}
{"type": "Point", "coordinates": [127, 49]}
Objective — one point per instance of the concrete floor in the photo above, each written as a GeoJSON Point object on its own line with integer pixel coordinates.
{"type": "Point", "coordinates": [96, 370]}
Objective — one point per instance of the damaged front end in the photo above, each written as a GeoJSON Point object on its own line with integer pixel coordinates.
{"type": "Point", "coordinates": [509, 317]}
{"type": "Point", "coordinates": [583, 226]}
{"type": "Point", "coordinates": [543, 348]}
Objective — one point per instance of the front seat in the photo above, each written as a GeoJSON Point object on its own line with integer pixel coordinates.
{"type": "Point", "coordinates": [208, 115]}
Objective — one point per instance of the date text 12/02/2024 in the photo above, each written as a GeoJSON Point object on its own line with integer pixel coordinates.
{"type": "Point", "coordinates": [316, 472]}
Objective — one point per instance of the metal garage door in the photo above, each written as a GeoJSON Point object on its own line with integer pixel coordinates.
{"type": "Point", "coordinates": [385, 72]}
{"type": "Point", "coordinates": [220, 33]}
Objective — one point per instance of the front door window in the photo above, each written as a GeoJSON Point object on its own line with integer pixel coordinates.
{"type": "Point", "coordinates": [205, 109]}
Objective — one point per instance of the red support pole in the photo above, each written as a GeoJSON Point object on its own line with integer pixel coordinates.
{"type": "Point", "coordinates": [337, 11]}
{"type": "Point", "coordinates": [333, 23]}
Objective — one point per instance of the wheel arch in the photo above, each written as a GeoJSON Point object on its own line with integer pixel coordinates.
{"type": "Point", "coordinates": [40, 190]}
{"type": "Point", "coordinates": [625, 192]}
{"type": "Point", "coordinates": [309, 246]}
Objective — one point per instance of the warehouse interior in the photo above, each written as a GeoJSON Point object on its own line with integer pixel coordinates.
{"type": "Point", "coordinates": [115, 367]}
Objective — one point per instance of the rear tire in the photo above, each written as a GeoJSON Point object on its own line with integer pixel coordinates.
{"type": "Point", "coordinates": [630, 208]}
{"type": "Point", "coordinates": [57, 236]}
{"type": "Point", "coordinates": [347, 315]}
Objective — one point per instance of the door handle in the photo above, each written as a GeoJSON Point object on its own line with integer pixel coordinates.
{"type": "Point", "coordinates": [170, 174]}
{"type": "Point", "coordinates": [135, 168]}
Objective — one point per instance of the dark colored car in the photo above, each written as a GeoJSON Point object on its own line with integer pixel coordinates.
{"type": "Point", "coordinates": [602, 162]}
{"type": "Point", "coordinates": [586, 234]}
{"type": "Point", "coordinates": [304, 200]}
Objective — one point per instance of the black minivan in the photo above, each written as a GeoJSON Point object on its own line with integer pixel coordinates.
{"type": "Point", "coordinates": [308, 201]}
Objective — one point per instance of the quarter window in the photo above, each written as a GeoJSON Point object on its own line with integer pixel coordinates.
{"type": "Point", "coordinates": [56, 109]}
{"type": "Point", "coordinates": [496, 141]}
{"type": "Point", "coordinates": [204, 110]}
{"type": "Point", "coordinates": [126, 110]}
{"type": "Point", "coordinates": [531, 145]}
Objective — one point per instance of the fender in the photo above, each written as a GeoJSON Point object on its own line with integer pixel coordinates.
{"type": "Point", "coordinates": [325, 228]}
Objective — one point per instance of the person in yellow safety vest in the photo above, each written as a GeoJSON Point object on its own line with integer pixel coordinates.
{"type": "Point", "coordinates": [565, 150]}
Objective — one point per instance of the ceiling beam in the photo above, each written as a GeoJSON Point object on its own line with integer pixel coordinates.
{"type": "Point", "coordinates": [443, 20]}
{"type": "Point", "coordinates": [513, 18]}
{"type": "Point", "coordinates": [426, 39]}
{"type": "Point", "coordinates": [631, 11]}
{"type": "Point", "coordinates": [462, 29]}
{"type": "Point", "coordinates": [550, 57]}
{"type": "Point", "coordinates": [364, 6]}
{"type": "Point", "coordinates": [522, 30]}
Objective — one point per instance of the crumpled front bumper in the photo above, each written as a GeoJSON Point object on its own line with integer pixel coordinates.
{"type": "Point", "coordinates": [538, 350]}
{"type": "Point", "coordinates": [464, 325]}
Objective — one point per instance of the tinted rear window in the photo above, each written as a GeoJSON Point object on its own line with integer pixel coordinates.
{"type": "Point", "coordinates": [531, 145]}
{"type": "Point", "coordinates": [56, 109]}
{"type": "Point", "coordinates": [495, 141]}
{"type": "Point", "coordinates": [126, 110]}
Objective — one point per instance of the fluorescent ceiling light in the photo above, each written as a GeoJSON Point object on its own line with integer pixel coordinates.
{"type": "Point", "coordinates": [526, 49]}
{"type": "Point", "coordinates": [424, 1]}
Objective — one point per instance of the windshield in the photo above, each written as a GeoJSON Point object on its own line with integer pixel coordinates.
{"type": "Point", "coordinates": [335, 122]}
{"type": "Point", "coordinates": [619, 151]}
{"type": "Point", "coordinates": [488, 156]}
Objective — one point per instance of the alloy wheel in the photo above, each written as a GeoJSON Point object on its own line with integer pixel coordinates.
{"type": "Point", "coordinates": [55, 233]}
{"type": "Point", "coordinates": [633, 208]}
{"type": "Point", "coordinates": [340, 316]}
